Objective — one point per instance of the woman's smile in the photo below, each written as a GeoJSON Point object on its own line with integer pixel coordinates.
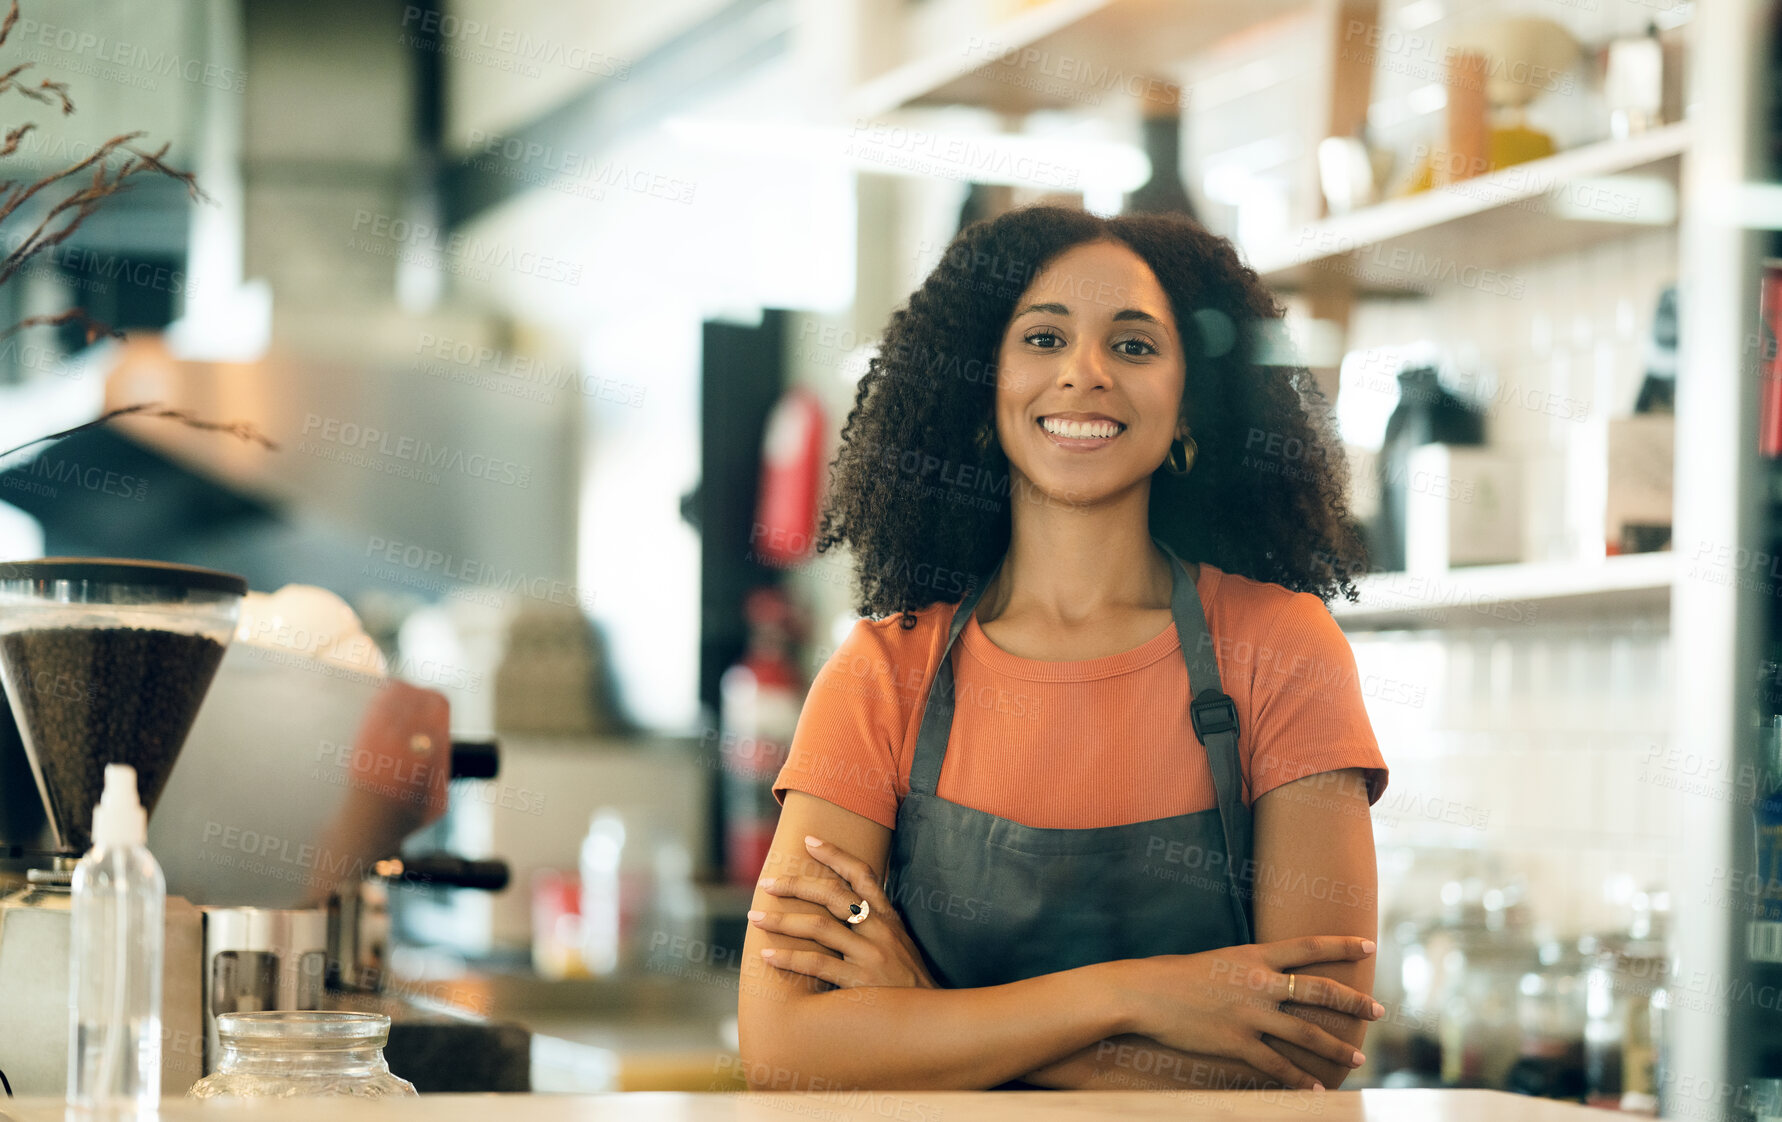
{"type": "Point", "coordinates": [1075, 433]}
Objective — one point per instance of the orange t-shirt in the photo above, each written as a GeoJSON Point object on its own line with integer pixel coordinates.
{"type": "Point", "coordinates": [1087, 743]}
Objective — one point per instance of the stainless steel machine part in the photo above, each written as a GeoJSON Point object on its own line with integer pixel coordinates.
{"type": "Point", "coordinates": [258, 959]}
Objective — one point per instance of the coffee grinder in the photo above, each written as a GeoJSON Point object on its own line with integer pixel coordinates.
{"type": "Point", "coordinates": [104, 661]}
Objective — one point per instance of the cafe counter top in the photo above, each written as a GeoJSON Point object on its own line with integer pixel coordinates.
{"type": "Point", "coordinates": [870, 1106]}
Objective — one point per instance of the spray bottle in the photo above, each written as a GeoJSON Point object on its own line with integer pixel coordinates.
{"type": "Point", "coordinates": [114, 1042]}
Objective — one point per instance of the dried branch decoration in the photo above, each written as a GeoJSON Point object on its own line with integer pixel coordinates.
{"type": "Point", "coordinates": [65, 216]}
{"type": "Point", "coordinates": [153, 409]}
{"type": "Point", "coordinates": [107, 180]}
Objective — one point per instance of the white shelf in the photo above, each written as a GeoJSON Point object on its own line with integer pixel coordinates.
{"type": "Point", "coordinates": [1553, 205]}
{"type": "Point", "coordinates": [1083, 52]}
{"type": "Point", "coordinates": [1636, 584]}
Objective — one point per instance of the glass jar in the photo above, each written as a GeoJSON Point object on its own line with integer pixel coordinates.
{"type": "Point", "coordinates": [282, 1055]}
{"type": "Point", "coordinates": [1482, 949]}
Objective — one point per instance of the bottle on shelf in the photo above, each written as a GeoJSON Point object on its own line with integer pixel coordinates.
{"type": "Point", "coordinates": [1164, 192]}
{"type": "Point", "coordinates": [761, 697]}
{"type": "Point", "coordinates": [1627, 972]}
{"type": "Point", "coordinates": [641, 911]}
{"type": "Point", "coordinates": [1493, 947]}
{"type": "Point", "coordinates": [1551, 1016]}
{"type": "Point", "coordinates": [615, 875]}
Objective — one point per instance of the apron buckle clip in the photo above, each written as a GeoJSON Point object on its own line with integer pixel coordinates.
{"type": "Point", "coordinates": [1213, 713]}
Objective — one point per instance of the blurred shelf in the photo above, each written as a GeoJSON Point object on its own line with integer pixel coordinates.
{"type": "Point", "coordinates": [1453, 234]}
{"type": "Point", "coordinates": [1067, 54]}
{"type": "Point", "coordinates": [1637, 584]}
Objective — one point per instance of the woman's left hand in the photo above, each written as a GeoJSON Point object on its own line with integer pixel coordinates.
{"type": "Point", "coordinates": [877, 951]}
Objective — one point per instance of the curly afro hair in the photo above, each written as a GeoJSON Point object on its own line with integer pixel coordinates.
{"type": "Point", "coordinates": [923, 500]}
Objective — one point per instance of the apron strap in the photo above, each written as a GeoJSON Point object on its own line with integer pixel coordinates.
{"type": "Point", "coordinates": [937, 715]}
{"type": "Point", "coordinates": [1215, 722]}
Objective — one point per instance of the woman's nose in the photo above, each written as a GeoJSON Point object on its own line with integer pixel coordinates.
{"type": "Point", "coordinates": [1087, 366]}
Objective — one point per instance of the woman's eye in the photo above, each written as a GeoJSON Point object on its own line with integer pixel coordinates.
{"type": "Point", "coordinates": [1145, 348]}
{"type": "Point", "coordinates": [1035, 336]}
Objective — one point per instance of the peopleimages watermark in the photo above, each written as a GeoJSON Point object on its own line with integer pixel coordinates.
{"type": "Point", "coordinates": [1291, 457]}
{"type": "Point", "coordinates": [904, 358]}
{"type": "Point", "coordinates": [279, 858]}
{"type": "Point", "coordinates": [47, 473]}
{"type": "Point", "coordinates": [1074, 71]}
{"type": "Point", "coordinates": [1756, 570]}
{"type": "Point", "coordinates": [478, 41]}
{"type": "Point", "coordinates": [420, 243]}
{"type": "Point", "coordinates": [80, 51]}
{"type": "Point", "coordinates": [1366, 40]}
{"type": "Point", "coordinates": [1343, 253]}
{"type": "Point", "coordinates": [64, 686]}
{"type": "Point", "coordinates": [470, 573]}
{"type": "Point", "coordinates": [951, 155]}
{"type": "Point", "coordinates": [816, 1089]}
{"type": "Point", "coordinates": [1379, 374]}
{"type": "Point", "coordinates": [911, 680]}
{"type": "Point", "coordinates": [279, 644]}
{"type": "Point", "coordinates": [408, 779]}
{"type": "Point", "coordinates": [423, 455]}
{"type": "Point", "coordinates": [492, 368]}
{"type": "Point", "coordinates": [1533, 189]}
{"type": "Point", "coordinates": [89, 268]}
{"type": "Point", "coordinates": [569, 170]}
{"type": "Point", "coordinates": [1252, 877]}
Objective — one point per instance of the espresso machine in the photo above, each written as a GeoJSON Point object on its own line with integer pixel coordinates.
{"type": "Point", "coordinates": [104, 661]}
{"type": "Point", "coordinates": [279, 832]}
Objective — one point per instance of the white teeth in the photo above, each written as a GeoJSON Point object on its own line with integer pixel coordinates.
{"type": "Point", "coordinates": [1080, 430]}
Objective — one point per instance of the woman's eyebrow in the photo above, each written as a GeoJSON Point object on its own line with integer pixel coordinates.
{"type": "Point", "coordinates": [1061, 310]}
{"type": "Point", "coordinates": [1134, 313]}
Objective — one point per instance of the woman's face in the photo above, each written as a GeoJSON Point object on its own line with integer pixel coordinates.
{"type": "Point", "coordinates": [1092, 341]}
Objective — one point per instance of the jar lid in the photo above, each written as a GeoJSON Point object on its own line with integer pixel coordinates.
{"type": "Point", "coordinates": [112, 570]}
{"type": "Point", "coordinates": [309, 1030]}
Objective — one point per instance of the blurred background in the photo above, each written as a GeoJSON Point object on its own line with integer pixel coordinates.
{"type": "Point", "coordinates": [553, 311]}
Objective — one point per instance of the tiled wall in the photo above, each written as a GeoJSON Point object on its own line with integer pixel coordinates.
{"type": "Point", "coordinates": [1542, 748]}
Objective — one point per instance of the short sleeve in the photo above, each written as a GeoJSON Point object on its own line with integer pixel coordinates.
{"type": "Point", "coordinates": [846, 747]}
{"type": "Point", "coordinates": [1308, 715]}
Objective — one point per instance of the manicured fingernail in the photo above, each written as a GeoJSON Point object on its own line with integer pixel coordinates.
{"type": "Point", "coordinates": [767, 952]}
{"type": "Point", "coordinates": [809, 840]}
{"type": "Point", "coordinates": [1317, 1086]}
{"type": "Point", "coordinates": [765, 882]}
{"type": "Point", "coordinates": [1367, 945]}
{"type": "Point", "coordinates": [756, 915]}
{"type": "Point", "coordinates": [1358, 1060]}
{"type": "Point", "coordinates": [1379, 1010]}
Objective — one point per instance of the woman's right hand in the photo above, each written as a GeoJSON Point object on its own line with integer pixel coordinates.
{"type": "Point", "coordinates": [1222, 1002]}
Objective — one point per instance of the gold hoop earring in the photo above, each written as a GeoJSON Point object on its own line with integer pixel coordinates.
{"type": "Point", "coordinates": [1189, 448]}
{"type": "Point", "coordinates": [986, 434]}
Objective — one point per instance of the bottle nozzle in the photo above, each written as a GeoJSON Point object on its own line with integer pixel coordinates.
{"type": "Point", "coordinates": [119, 819]}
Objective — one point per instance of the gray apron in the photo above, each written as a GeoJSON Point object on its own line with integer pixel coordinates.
{"type": "Point", "coordinates": [989, 900]}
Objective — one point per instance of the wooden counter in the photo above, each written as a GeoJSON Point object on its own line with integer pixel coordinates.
{"type": "Point", "coordinates": [873, 1106]}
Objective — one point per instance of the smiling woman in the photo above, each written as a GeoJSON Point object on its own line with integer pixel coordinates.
{"type": "Point", "coordinates": [1088, 805]}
